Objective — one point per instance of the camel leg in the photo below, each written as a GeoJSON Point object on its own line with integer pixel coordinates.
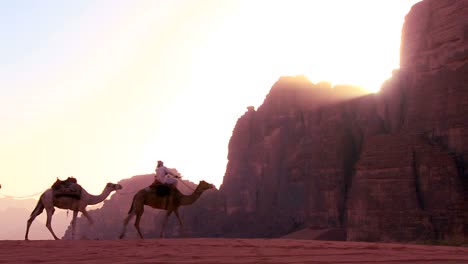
{"type": "Point", "coordinates": [75, 214]}
{"type": "Point", "coordinates": [28, 225]}
{"type": "Point", "coordinates": [50, 212]}
{"type": "Point", "coordinates": [86, 214]}
{"type": "Point", "coordinates": [37, 211]}
{"type": "Point", "coordinates": [124, 228]}
{"type": "Point", "coordinates": [168, 213]}
{"type": "Point", "coordinates": [176, 212]}
{"type": "Point", "coordinates": [137, 222]}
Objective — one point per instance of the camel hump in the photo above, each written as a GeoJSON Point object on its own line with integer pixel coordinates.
{"type": "Point", "coordinates": [67, 188]}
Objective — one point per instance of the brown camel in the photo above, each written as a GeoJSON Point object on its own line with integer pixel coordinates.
{"type": "Point", "coordinates": [169, 203]}
{"type": "Point", "coordinates": [47, 201]}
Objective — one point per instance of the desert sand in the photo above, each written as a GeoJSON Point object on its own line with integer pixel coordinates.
{"type": "Point", "coordinates": [218, 250]}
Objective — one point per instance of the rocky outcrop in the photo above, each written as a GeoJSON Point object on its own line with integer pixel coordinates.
{"type": "Point", "coordinates": [405, 189]}
{"type": "Point", "coordinates": [288, 159]}
{"type": "Point", "coordinates": [424, 108]}
{"type": "Point", "coordinates": [386, 167]}
{"type": "Point", "coordinates": [434, 37]}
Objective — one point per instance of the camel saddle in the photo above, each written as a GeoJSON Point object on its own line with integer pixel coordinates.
{"type": "Point", "coordinates": [161, 189]}
{"type": "Point", "coordinates": [67, 188]}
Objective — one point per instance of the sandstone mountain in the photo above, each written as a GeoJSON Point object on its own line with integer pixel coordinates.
{"type": "Point", "coordinates": [390, 166]}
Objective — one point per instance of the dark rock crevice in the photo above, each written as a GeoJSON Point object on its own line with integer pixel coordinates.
{"type": "Point", "coordinates": [417, 181]}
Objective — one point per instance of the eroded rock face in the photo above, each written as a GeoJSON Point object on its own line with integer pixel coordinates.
{"type": "Point", "coordinates": [387, 167]}
{"type": "Point", "coordinates": [291, 161]}
{"type": "Point", "coordinates": [435, 36]}
{"type": "Point", "coordinates": [425, 104]}
{"type": "Point", "coordinates": [405, 189]}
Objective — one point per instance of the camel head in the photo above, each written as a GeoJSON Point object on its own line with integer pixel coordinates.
{"type": "Point", "coordinates": [113, 186]}
{"type": "Point", "coordinates": [203, 186]}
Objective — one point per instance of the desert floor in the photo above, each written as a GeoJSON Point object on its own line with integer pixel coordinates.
{"type": "Point", "coordinates": [214, 250]}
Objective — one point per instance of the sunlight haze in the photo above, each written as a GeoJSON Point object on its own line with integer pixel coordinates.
{"type": "Point", "coordinates": [101, 90]}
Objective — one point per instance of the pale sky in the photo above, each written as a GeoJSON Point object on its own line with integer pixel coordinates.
{"type": "Point", "coordinates": [101, 90]}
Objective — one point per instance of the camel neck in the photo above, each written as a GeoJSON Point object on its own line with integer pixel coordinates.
{"type": "Point", "coordinates": [95, 199]}
{"type": "Point", "coordinates": [190, 199]}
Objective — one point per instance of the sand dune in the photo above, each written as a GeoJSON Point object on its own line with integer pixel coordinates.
{"type": "Point", "coordinates": [209, 250]}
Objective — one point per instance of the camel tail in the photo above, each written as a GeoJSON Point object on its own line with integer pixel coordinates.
{"type": "Point", "coordinates": [131, 207]}
{"type": "Point", "coordinates": [39, 207]}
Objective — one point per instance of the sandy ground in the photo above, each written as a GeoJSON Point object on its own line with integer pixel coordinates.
{"type": "Point", "coordinates": [209, 250]}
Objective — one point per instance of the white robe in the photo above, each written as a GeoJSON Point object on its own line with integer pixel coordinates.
{"type": "Point", "coordinates": [162, 175]}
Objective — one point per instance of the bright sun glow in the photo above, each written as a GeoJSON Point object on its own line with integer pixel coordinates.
{"type": "Point", "coordinates": [101, 90]}
{"type": "Point", "coordinates": [342, 42]}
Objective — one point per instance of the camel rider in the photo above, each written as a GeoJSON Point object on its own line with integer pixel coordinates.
{"type": "Point", "coordinates": [163, 175]}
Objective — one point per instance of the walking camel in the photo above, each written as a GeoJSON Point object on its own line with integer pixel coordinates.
{"type": "Point", "coordinates": [170, 203]}
{"type": "Point", "coordinates": [47, 201]}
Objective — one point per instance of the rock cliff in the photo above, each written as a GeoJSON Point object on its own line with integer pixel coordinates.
{"type": "Point", "coordinates": [390, 166]}
{"type": "Point", "coordinates": [384, 167]}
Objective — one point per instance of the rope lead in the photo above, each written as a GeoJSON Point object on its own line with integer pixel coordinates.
{"type": "Point", "coordinates": [17, 197]}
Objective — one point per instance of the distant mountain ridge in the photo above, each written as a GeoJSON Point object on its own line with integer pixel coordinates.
{"type": "Point", "coordinates": [8, 202]}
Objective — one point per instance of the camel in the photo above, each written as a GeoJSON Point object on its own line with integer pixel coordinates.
{"type": "Point", "coordinates": [48, 202]}
{"type": "Point", "coordinates": [170, 203]}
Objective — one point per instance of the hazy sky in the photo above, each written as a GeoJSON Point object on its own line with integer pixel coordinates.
{"type": "Point", "coordinates": [101, 90]}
